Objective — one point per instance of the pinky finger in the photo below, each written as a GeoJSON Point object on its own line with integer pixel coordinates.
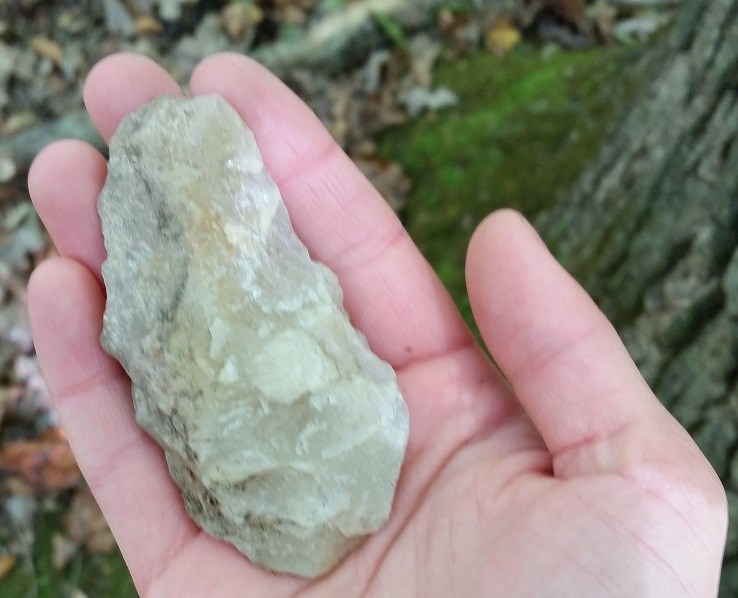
{"type": "Point", "coordinates": [126, 471]}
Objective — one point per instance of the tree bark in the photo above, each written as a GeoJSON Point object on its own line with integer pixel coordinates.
{"type": "Point", "coordinates": [651, 229]}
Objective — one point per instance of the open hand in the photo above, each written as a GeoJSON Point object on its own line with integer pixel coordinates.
{"type": "Point", "coordinates": [560, 474]}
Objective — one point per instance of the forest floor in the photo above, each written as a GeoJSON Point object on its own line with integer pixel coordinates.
{"type": "Point", "coordinates": [477, 109]}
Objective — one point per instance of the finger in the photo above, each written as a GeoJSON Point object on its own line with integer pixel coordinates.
{"type": "Point", "coordinates": [67, 177]}
{"type": "Point", "coordinates": [565, 361]}
{"type": "Point", "coordinates": [125, 470]}
{"type": "Point", "coordinates": [574, 377]}
{"type": "Point", "coordinates": [64, 182]}
{"type": "Point", "coordinates": [390, 291]}
{"type": "Point", "coordinates": [119, 84]}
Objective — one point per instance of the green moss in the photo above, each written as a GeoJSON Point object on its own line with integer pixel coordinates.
{"type": "Point", "coordinates": [525, 126]}
{"type": "Point", "coordinates": [95, 575]}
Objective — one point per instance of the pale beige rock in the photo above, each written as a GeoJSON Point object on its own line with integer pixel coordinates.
{"type": "Point", "coordinates": [282, 429]}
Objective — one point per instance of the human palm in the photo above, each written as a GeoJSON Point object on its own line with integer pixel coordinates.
{"type": "Point", "coordinates": [564, 477]}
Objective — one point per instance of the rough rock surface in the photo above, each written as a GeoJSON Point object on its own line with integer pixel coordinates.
{"type": "Point", "coordinates": [283, 430]}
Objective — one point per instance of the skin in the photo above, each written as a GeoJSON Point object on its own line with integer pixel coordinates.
{"type": "Point", "coordinates": [558, 474]}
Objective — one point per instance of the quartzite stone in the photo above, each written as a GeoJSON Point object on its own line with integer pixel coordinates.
{"type": "Point", "coordinates": [283, 430]}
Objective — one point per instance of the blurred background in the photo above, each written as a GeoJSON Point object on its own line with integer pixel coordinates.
{"type": "Point", "coordinates": [612, 124]}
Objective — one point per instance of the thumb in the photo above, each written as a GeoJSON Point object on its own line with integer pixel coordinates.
{"type": "Point", "coordinates": [570, 370]}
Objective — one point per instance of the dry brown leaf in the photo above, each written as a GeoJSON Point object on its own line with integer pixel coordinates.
{"type": "Point", "coordinates": [148, 25]}
{"type": "Point", "coordinates": [446, 20]}
{"type": "Point", "coordinates": [604, 18]}
{"type": "Point", "coordinates": [451, 23]}
{"type": "Point", "coordinates": [292, 15]}
{"type": "Point", "coordinates": [7, 562]}
{"type": "Point", "coordinates": [339, 130]}
{"type": "Point", "coordinates": [8, 169]}
{"type": "Point", "coordinates": [86, 525]}
{"type": "Point", "coordinates": [18, 121]}
{"type": "Point", "coordinates": [388, 178]}
{"type": "Point", "coordinates": [573, 12]}
{"type": "Point", "coordinates": [16, 486]}
{"type": "Point", "coordinates": [44, 463]}
{"type": "Point", "coordinates": [47, 48]}
{"type": "Point", "coordinates": [62, 551]}
{"type": "Point", "coordinates": [101, 542]}
{"type": "Point", "coordinates": [237, 17]}
{"type": "Point", "coordinates": [424, 52]}
{"type": "Point", "coordinates": [341, 104]}
{"type": "Point", "coordinates": [364, 148]}
{"type": "Point", "coordinates": [5, 395]}
{"type": "Point", "coordinates": [501, 37]}
{"type": "Point", "coordinates": [306, 5]}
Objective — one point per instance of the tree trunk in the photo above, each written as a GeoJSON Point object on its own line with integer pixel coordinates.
{"type": "Point", "coordinates": [651, 229]}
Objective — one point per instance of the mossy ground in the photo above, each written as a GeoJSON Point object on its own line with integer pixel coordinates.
{"type": "Point", "coordinates": [525, 126]}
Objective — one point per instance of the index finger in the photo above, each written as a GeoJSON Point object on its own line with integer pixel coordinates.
{"type": "Point", "coordinates": [391, 292]}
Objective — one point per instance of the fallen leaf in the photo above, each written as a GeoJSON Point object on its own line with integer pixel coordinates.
{"type": "Point", "coordinates": [374, 70]}
{"type": "Point", "coordinates": [8, 169]}
{"type": "Point", "coordinates": [18, 121]}
{"type": "Point", "coordinates": [464, 32]}
{"type": "Point", "coordinates": [388, 178]}
{"type": "Point", "coordinates": [86, 526]}
{"type": "Point", "coordinates": [340, 97]}
{"type": "Point", "coordinates": [16, 486]}
{"type": "Point", "coordinates": [44, 463]}
{"type": "Point", "coordinates": [291, 15]}
{"type": "Point", "coordinates": [5, 395]}
{"type": "Point", "coordinates": [47, 48]}
{"type": "Point", "coordinates": [604, 15]}
{"type": "Point", "coordinates": [7, 562]}
{"type": "Point", "coordinates": [171, 10]}
{"type": "Point", "coordinates": [640, 28]}
{"type": "Point", "coordinates": [208, 38]}
{"type": "Point", "coordinates": [573, 12]}
{"type": "Point", "coordinates": [239, 17]}
{"type": "Point", "coordinates": [423, 54]}
{"type": "Point", "coordinates": [117, 18]}
{"type": "Point", "coordinates": [501, 37]}
{"type": "Point", "coordinates": [419, 99]}
{"type": "Point", "coordinates": [101, 541]}
{"type": "Point", "coordinates": [62, 551]}
{"type": "Point", "coordinates": [147, 25]}
{"type": "Point", "coordinates": [446, 21]}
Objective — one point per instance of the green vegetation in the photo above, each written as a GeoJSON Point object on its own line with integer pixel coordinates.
{"type": "Point", "coordinates": [525, 126]}
{"type": "Point", "coordinates": [95, 575]}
